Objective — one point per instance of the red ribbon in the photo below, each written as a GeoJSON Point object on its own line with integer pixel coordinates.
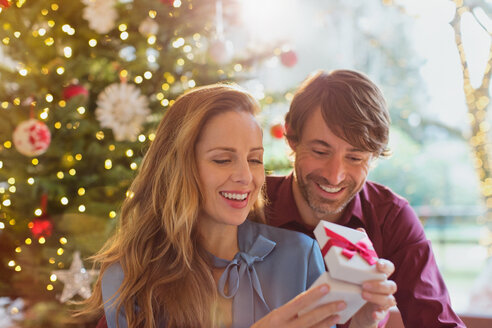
{"type": "Point", "coordinates": [44, 202]}
{"type": "Point", "coordinates": [363, 247]}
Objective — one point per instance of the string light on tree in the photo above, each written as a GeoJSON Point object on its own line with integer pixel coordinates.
{"type": "Point", "coordinates": [477, 100]}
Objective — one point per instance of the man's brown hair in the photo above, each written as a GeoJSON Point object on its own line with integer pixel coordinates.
{"type": "Point", "coordinates": [353, 107]}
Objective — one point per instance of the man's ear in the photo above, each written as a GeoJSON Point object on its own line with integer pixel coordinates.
{"type": "Point", "coordinates": [288, 133]}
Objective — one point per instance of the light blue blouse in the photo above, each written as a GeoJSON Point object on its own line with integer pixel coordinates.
{"type": "Point", "coordinates": [272, 266]}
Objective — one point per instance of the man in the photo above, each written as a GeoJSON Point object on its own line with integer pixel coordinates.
{"type": "Point", "coordinates": [337, 125]}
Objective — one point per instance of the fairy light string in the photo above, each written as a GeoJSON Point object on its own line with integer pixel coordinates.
{"type": "Point", "coordinates": [477, 101]}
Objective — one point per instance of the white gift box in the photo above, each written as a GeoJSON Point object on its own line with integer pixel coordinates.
{"type": "Point", "coordinates": [339, 291]}
{"type": "Point", "coordinates": [345, 274]}
{"type": "Point", "coordinates": [355, 269]}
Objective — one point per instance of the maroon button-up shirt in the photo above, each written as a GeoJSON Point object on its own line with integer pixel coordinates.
{"type": "Point", "coordinates": [397, 235]}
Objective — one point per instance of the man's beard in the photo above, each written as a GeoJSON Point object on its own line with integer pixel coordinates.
{"type": "Point", "coordinates": [324, 208]}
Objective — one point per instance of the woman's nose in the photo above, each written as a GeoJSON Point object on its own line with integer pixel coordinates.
{"type": "Point", "coordinates": [242, 172]}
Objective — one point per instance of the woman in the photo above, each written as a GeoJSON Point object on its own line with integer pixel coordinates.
{"type": "Point", "coordinates": [184, 254]}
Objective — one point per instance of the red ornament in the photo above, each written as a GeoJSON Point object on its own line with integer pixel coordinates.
{"type": "Point", "coordinates": [168, 2]}
{"type": "Point", "coordinates": [288, 58]}
{"type": "Point", "coordinates": [4, 3]}
{"type": "Point", "coordinates": [74, 90]}
{"type": "Point", "coordinates": [31, 137]}
{"type": "Point", "coordinates": [277, 131]}
{"type": "Point", "coordinates": [41, 227]}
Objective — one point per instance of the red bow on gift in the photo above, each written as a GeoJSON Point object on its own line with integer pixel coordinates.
{"type": "Point", "coordinates": [363, 247]}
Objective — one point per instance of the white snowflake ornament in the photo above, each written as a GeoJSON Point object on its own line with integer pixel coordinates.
{"type": "Point", "coordinates": [101, 15]}
{"type": "Point", "coordinates": [122, 108]}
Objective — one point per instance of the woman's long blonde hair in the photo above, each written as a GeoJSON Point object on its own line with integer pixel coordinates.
{"type": "Point", "coordinates": [167, 272]}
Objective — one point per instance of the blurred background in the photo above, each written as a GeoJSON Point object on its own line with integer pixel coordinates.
{"type": "Point", "coordinates": [84, 83]}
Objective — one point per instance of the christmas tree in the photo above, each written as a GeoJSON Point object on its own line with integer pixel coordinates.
{"type": "Point", "coordinates": [83, 86]}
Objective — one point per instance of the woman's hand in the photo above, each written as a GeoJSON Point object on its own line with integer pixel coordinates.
{"type": "Point", "coordinates": [321, 316]}
{"type": "Point", "coordinates": [379, 296]}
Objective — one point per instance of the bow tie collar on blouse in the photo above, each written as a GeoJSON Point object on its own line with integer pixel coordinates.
{"type": "Point", "coordinates": [244, 287]}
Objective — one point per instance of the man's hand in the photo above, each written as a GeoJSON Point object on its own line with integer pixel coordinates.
{"type": "Point", "coordinates": [323, 316]}
{"type": "Point", "coordinates": [379, 296]}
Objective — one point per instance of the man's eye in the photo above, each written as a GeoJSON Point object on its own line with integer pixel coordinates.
{"type": "Point", "coordinates": [256, 161]}
{"type": "Point", "coordinates": [355, 159]}
{"type": "Point", "coordinates": [319, 152]}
